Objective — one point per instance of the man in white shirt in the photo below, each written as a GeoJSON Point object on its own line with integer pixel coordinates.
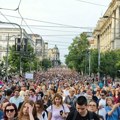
{"type": "Point", "coordinates": [102, 104]}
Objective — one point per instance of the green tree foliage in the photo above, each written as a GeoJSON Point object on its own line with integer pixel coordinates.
{"type": "Point", "coordinates": [94, 60]}
{"type": "Point", "coordinates": [77, 57]}
{"type": "Point", "coordinates": [26, 59]}
{"type": "Point", "coordinates": [110, 62]}
{"type": "Point", "coordinates": [2, 68]}
{"type": "Point", "coordinates": [45, 64]}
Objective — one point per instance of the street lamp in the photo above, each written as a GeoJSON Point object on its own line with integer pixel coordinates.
{"type": "Point", "coordinates": [9, 37]}
{"type": "Point", "coordinates": [98, 49]}
{"type": "Point", "coordinates": [89, 52]}
{"type": "Point", "coordinates": [98, 44]}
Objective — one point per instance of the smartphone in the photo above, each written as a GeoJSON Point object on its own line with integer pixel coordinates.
{"type": "Point", "coordinates": [61, 112]}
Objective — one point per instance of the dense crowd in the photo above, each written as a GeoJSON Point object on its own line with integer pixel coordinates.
{"type": "Point", "coordinates": [59, 94]}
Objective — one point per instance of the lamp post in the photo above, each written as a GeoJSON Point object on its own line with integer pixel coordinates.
{"type": "Point", "coordinates": [8, 39]}
{"type": "Point", "coordinates": [98, 46]}
{"type": "Point", "coordinates": [7, 57]}
{"type": "Point", "coordinates": [10, 23]}
{"type": "Point", "coordinates": [89, 62]}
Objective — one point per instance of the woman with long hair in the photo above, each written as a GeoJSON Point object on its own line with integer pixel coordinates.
{"type": "Point", "coordinates": [41, 113]}
{"type": "Point", "coordinates": [58, 110]}
{"type": "Point", "coordinates": [10, 112]}
{"type": "Point", "coordinates": [28, 111]}
{"type": "Point", "coordinates": [47, 101]}
{"type": "Point", "coordinates": [2, 109]}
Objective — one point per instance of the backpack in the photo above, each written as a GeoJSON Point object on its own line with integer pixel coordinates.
{"type": "Point", "coordinates": [90, 115]}
{"type": "Point", "coordinates": [43, 115]}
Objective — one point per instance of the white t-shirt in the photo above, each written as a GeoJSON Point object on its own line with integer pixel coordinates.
{"type": "Point", "coordinates": [102, 111]}
{"type": "Point", "coordinates": [43, 116]}
{"type": "Point", "coordinates": [56, 111]}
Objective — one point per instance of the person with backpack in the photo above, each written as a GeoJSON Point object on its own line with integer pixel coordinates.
{"type": "Point", "coordinates": [41, 113]}
{"type": "Point", "coordinates": [71, 99]}
{"type": "Point", "coordinates": [81, 112]}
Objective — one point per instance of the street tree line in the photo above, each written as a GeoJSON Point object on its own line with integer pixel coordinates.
{"type": "Point", "coordinates": [80, 58]}
{"type": "Point", "coordinates": [27, 60]}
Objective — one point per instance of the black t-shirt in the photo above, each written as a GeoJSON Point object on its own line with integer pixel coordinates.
{"type": "Point", "coordinates": [79, 117]}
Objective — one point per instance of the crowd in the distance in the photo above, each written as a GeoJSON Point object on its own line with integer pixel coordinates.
{"type": "Point", "coordinates": [58, 94]}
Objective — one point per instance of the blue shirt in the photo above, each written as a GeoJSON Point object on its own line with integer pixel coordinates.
{"type": "Point", "coordinates": [1, 115]}
{"type": "Point", "coordinates": [115, 115]}
{"type": "Point", "coordinates": [15, 100]}
{"type": "Point", "coordinates": [101, 85]}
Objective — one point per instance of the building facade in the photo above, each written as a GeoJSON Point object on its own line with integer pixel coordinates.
{"type": "Point", "coordinates": [40, 46]}
{"type": "Point", "coordinates": [8, 37]}
{"type": "Point", "coordinates": [54, 56]}
{"type": "Point", "coordinates": [108, 28]}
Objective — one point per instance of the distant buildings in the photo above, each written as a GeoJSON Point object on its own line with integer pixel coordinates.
{"type": "Point", "coordinates": [39, 46]}
{"type": "Point", "coordinates": [8, 36]}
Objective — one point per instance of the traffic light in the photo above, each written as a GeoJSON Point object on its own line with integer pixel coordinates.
{"type": "Point", "coordinates": [25, 40]}
{"type": "Point", "coordinates": [17, 44]}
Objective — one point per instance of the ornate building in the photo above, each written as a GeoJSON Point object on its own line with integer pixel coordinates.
{"type": "Point", "coordinates": [54, 56]}
{"type": "Point", "coordinates": [107, 31]}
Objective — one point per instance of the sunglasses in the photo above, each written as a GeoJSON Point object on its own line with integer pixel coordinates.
{"type": "Point", "coordinates": [10, 110]}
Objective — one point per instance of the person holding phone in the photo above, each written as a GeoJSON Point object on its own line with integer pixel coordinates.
{"type": "Point", "coordinates": [58, 110]}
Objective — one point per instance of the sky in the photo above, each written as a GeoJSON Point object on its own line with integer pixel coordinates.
{"type": "Point", "coordinates": [57, 21]}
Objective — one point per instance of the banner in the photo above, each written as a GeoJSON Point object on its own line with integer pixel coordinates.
{"type": "Point", "coordinates": [29, 75]}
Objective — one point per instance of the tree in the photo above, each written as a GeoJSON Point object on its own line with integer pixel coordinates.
{"type": "Point", "coordinates": [2, 69]}
{"type": "Point", "coordinates": [78, 53]}
{"type": "Point", "coordinates": [94, 60]}
{"type": "Point", "coordinates": [110, 62]}
{"type": "Point", "coordinates": [45, 64]}
{"type": "Point", "coordinates": [26, 59]}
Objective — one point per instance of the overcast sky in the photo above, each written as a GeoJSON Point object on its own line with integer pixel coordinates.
{"type": "Point", "coordinates": [81, 13]}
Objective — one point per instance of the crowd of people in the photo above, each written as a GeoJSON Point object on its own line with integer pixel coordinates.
{"type": "Point", "coordinates": [59, 94]}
